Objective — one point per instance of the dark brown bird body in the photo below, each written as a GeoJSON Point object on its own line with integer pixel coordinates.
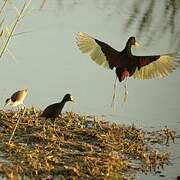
{"type": "Point", "coordinates": [126, 64]}
{"type": "Point", "coordinates": [54, 110]}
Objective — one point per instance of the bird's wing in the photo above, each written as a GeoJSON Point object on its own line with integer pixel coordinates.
{"type": "Point", "coordinates": [16, 96]}
{"type": "Point", "coordinates": [19, 95]}
{"type": "Point", "coordinates": [100, 52]}
{"type": "Point", "coordinates": [51, 110]}
{"type": "Point", "coordinates": [48, 111]}
{"type": "Point", "coordinates": [155, 66]}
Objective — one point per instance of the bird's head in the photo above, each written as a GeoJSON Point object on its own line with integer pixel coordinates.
{"type": "Point", "coordinates": [24, 91]}
{"type": "Point", "coordinates": [132, 41]}
{"type": "Point", "coordinates": [68, 97]}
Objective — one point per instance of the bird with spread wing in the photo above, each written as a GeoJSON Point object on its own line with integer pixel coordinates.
{"type": "Point", "coordinates": [125, 63]}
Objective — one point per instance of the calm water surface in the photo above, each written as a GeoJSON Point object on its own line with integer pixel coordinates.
{"type": "Point", "coordinates": [49, 63]}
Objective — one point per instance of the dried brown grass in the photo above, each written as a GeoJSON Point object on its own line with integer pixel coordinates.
{"type": "Point", "coordinates": [77, 147]}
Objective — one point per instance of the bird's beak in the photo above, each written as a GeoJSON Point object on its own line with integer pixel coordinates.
{"type": "Point", "coordinates": [72, 99]}
{"type": "Point", "coordinates": [137, 45]}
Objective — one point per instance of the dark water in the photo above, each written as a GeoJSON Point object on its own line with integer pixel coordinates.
{"type": "Point", "coordinates": [49, 63]}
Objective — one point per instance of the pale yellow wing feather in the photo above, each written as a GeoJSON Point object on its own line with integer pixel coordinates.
{"type": "Point", "coordinates": [87, 44]}
{"type": "Point", "coordinates": [159, 68]}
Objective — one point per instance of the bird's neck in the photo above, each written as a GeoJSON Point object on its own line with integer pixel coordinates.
{"type": "Point", "coordinates": [127, 49]}
{"type": "Point", "coordinates": [63, 102]}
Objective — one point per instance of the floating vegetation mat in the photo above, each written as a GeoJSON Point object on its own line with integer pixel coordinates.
{"type": "Point", "coordinates": [77, 147]}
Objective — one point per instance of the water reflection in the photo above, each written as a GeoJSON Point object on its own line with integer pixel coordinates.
{"type": "Point", "coordinates": [49, 51]}
{"type": "Point", "coordinates": [152, 18]}
{"type": "Point", "coordinates": [147, 13]}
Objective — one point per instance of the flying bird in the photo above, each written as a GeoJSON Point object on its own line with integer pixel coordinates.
{"type": "Point", "coordinates": [125, 63]}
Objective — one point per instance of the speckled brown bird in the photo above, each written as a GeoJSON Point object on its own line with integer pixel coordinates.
{"type": "Point", "coordinates": [17, 98]}
{"type": "Point", "coordinates": [54, 110]}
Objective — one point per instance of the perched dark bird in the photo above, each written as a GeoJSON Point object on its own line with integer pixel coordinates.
{"type": "Point", "coordinates": [17, 98]}
{"type": "Point", "coordinates": [126, 64]}
{"type": "Point", "coordinates": [54, 110]}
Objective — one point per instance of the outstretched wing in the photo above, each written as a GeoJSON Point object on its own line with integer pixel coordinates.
{"type": "Point", "coordinates": [155, 66]}
{"type": "Point", "coordinates": [100, 52]}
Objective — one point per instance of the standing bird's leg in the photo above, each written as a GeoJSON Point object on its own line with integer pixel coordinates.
{"type": "Point", "coordinates": [15, 111]}
{"type": "Point", "coordinates": [126, 90]}
{"type": "Point", "coordinates": [23, 105]}
{"type": "Point", "coordinates": [18, 108]}
{"type": "Point", "coordinates": [13, 108]}
{"type": "Point", "coordinates": [114, 92]}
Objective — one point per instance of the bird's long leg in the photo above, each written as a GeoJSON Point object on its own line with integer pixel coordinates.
{"type": "Point", "coordinates": [126, 90]}
{"type": "Point", "coordinates": [114, 92]}
{"type": "Point", "coordinates": [12, 110]}
{"type": "Point", "coordinates": [23, 112]}
{"type": "Point", "coordinates": [19, 108]}
{"type": "Point", "coordinates": [24, 106]}
{"type": "Point", "coordinates": [15, 108]}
